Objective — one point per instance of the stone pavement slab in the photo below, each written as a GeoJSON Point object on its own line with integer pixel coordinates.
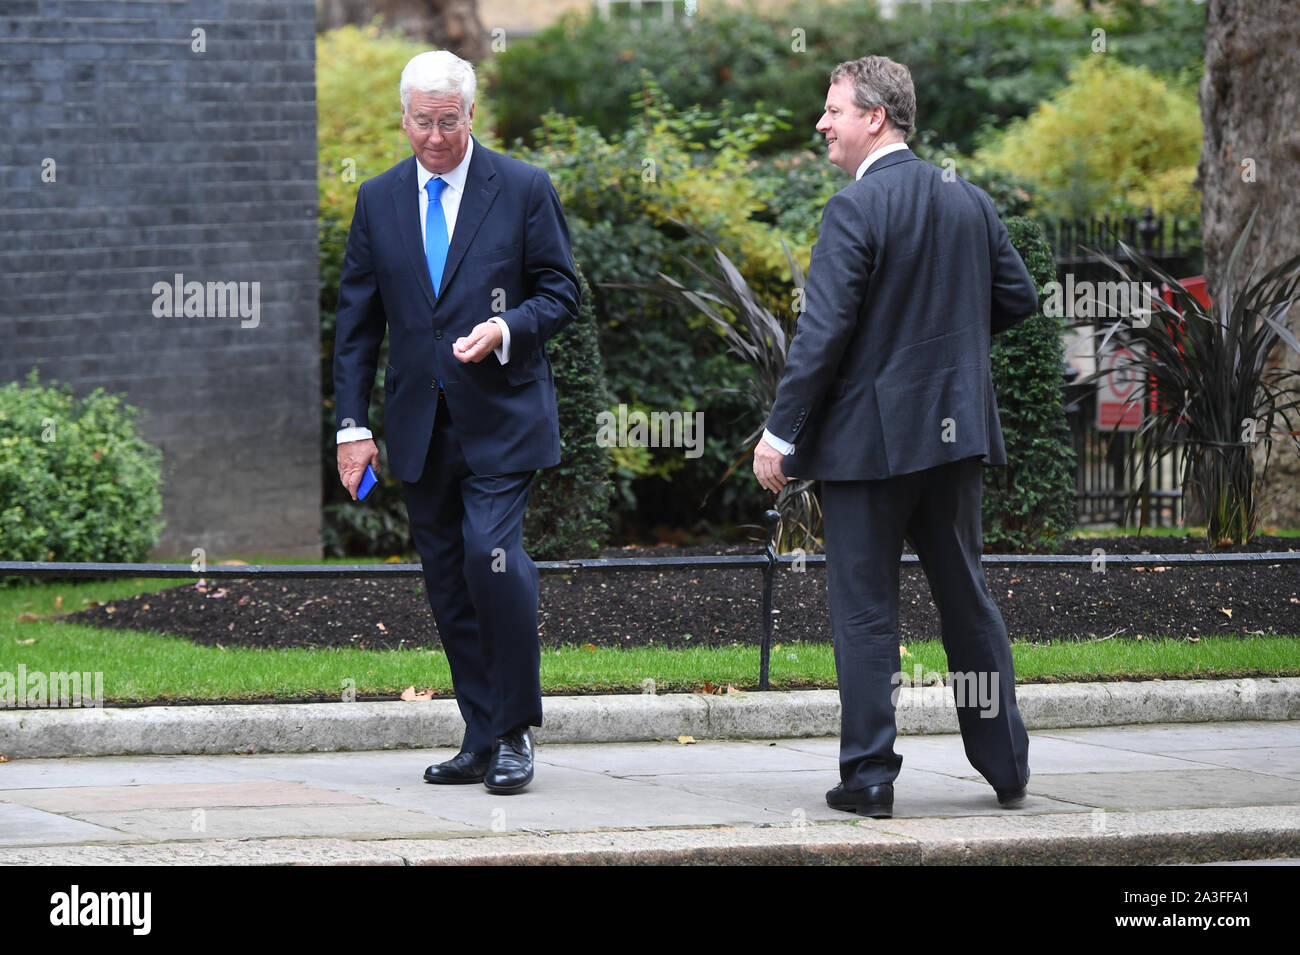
{"type": "Point", "coordinates": [1150, 793]}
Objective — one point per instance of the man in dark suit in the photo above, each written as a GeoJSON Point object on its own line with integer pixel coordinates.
{"type": "Point", "coordinates": [887, 399]}
{"type": "Point", "coordinates": [463, 255]}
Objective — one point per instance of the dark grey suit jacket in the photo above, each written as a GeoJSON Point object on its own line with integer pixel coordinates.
{"type": "Point", "coordinates": [888, 371]}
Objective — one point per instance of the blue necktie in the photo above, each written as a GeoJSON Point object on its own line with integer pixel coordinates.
{"type": "Point", "coordinates": [435, 233]}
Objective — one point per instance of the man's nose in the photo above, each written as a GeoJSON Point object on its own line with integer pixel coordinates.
{"type": "Point", "coordinates": [823, 125]}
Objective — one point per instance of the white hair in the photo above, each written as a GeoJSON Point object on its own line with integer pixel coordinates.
{"type": "Point", "coordinates": [438, 71]}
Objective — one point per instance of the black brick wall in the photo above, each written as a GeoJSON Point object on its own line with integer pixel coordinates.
{"type": "Point", "coordinates": [172, 161]}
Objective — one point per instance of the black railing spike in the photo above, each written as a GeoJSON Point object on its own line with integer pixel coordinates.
{"type": "Point", "coordinates": [773, 521]}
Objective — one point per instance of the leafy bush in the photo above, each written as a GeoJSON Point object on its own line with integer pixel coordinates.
{"type": "Point", "coordinates": [643, 203]}
{"type": "Point", "coordinates": [1088, 150]}
{"type": "Point", "coordinates": [77, 481]}
{"type": "Point", "coordinates": [1030, 502]}
{"type": "Point", "coordinates": [569, 503]}
{"type": "Point", "coordinates": [973, 64]}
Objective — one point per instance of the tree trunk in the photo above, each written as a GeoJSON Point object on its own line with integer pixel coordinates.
{"type": "Point", "coordinates": [446, 24]}
{"type": "Point", "coordinates": [1250, 158]}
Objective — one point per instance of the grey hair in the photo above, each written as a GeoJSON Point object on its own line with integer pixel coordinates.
{"type": "Point", "coordinates": [879, 81]}
{"type": "Point", "coordinates": [437, 71]}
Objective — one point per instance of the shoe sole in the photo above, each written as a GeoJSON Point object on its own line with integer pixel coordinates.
{"type": "Point", "coordinates": [452, 782]}
{"type": "Point", "coordinates": [507, 790]}
{"type": "Point", "coordinates": [875, 812]}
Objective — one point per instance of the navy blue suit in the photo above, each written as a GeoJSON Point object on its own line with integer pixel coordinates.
{"type": "Point", "coordinates": [888, 398]}
{"type": "Point", "coordinates": [466, 451]}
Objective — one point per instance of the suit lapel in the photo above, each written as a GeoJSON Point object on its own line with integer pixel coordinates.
{"type": "Point", "coordinates": [481, 191]}
{"type": "Point", "coordinates": [406, 199]}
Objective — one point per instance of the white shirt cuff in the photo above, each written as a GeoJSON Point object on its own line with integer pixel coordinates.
{"type": "Point", "coordinates": [502, 353]}
{"type": "Point", "coordinates": [353, 434]}
{"type": "Point", "coordinates": [785, 447]}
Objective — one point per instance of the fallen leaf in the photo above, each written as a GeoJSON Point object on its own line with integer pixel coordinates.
{"type": "Point", "coordinates": [381, 626]}
{"type": "Point", "coordinates": [904, 651]}
{"type": "Point", "coordinates": [686, 740]}
{"type": "Point", "coordinates": [3, 758]}
{"type": "Point", "coordinates": [27, 617]}
{"type": "Point", "coordinates": [237, 563]}
{"type": "Point", "coordinates": [1193, 639]}
{"type": "Point", "coordinates": [26, 643]}
{"type": "Point", "coordinates": [221, 648]}
{"type": "Point", "coordinates": [58, 602]}
{"type": "Point", "coordinates": [589, 647]}
{"type": "Point", "coordinates": [110, 609]}
{"type": "Point", "coordinates": [732, 689]}
{"type": "Point", "coordinates": [1226, 611]}
{"type": "Point", "coordinates": [410, 694]}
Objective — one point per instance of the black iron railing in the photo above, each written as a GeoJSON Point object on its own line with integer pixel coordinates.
{"type": "Point", "coordinates": [766, 562]}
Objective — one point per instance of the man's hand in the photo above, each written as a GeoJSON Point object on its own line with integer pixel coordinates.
{"type": "Point", "coordinates": [353, 458]}
{"type": "Point", "coordinates": [767, 467]}
{"type": "Point", "coordinates": [481, 342]}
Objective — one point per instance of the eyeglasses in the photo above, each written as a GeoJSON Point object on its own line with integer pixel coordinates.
{"type": "Point", "coordinates": [446, 126]}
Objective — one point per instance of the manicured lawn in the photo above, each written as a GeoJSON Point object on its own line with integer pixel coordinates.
{"type": "Point", "coordinates": [140, 667]}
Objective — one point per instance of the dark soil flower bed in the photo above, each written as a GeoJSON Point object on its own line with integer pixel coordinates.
{"type": "Point", "coordinates": [678, 608]}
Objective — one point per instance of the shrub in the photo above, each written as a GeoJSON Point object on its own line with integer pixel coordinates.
{"type": "Point", "coordinates": [569, 503]}
{"type": "Point", "coordinates": [77, 481]}
{"type": "Point", "coordinates": [627, 201]}
{"type": "Point", "coordinates": [1030, 502]}
{"type": "Point", "coordinates": [973, 64]}
{"type": "Point", "coordinates": [1089, 150]}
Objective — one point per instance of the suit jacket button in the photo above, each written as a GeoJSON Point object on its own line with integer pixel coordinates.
{"type": "Point", "coordinates": [438, 333]}
{"type": "Point", "coordinates": [434, 384]}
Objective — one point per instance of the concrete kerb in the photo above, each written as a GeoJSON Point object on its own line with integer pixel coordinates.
{"type": "Point", "coordinates": [1128, 838]}
{"type": "Point", "coordinates": [329, 727]}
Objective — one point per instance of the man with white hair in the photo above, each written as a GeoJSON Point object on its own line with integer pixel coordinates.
{"type": "Point", "coordinates": [463, 255]}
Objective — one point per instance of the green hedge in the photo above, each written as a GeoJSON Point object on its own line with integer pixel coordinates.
{"type": "Point", "coordinates": [973, 64]}
{"type": "Point", "coordinates": [77, 482]}
{"type": "Point", "coordinates": [568, 507]}
{"type": "Point", "coordinates": [1030, 502]}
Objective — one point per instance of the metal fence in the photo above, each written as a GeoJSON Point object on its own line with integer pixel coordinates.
{"type": "Point", "coordinates": [767, 563]}
{"type": "Point", "coordinates": [1117, 477]}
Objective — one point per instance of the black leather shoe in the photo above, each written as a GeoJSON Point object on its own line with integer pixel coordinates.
{"type": "Point", "coordinates": [511, 766]}
{"type": "Point", "coordinates": [461, 768]}
{"type": "Point", "coordinates": [1010, 798]}
{"type": "Point", "coordinates": [874, 801]}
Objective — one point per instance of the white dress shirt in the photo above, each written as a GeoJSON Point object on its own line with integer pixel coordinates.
{"type": "Point", "coordinates": [785, 447]}
{"type": "Point", "coordinates": [450, 200]}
